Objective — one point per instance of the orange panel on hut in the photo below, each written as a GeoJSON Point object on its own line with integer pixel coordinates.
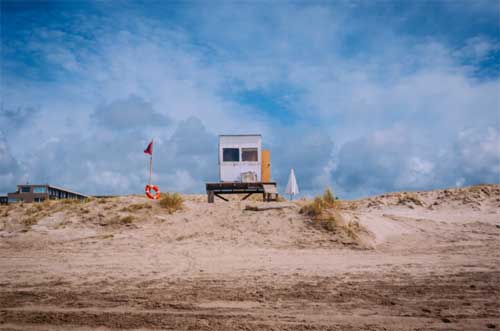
{"type": "Point", "coordinates": [266, 166]}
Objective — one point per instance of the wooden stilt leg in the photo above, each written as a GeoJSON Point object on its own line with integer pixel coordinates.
{"type": "Point", "coordinates": [221, 197]}
{"type": "Point", "coordinates": [246, 196]}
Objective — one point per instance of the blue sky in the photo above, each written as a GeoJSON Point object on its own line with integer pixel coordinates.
{"type": "Point", "coordinates": [362, 96]}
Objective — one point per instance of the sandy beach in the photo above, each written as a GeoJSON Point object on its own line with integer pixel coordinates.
{"type": "Point", "coordinates": [419, 261]}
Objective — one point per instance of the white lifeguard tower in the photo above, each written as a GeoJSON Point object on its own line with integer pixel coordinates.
{"type": "Point", "coordinates": [243, 168]}
{"type": "Point", "coordinates": [240, 158]}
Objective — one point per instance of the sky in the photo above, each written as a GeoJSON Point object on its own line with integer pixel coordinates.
{"type": "Point", "coordinates": [364, 97]}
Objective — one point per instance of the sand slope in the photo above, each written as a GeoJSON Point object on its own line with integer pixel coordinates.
{"type": "Point", "coordinates": [422, 261]}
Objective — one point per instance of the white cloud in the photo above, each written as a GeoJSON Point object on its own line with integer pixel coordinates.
{"type": "Point", "coordinates": [393, 103]}
{"type": "Point", "coordinates": [10, 169]}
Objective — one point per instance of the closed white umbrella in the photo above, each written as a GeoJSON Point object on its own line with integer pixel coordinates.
{"type": "Point", "coordinates": [292, 188]}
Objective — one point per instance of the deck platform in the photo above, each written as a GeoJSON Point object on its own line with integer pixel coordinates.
{"type": "Point", "coordinates": [267, 189]}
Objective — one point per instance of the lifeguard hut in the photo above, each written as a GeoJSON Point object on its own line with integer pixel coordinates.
{"type": "Point", "coordinates": [244, 168]}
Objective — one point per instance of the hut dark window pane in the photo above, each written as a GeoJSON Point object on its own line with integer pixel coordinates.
{"type": "Point", "coordinates": [230, 155]}
{"type": "Point", "coordinates": [249, 154]}
{"type": "Point", "coordinates": [25, 189]}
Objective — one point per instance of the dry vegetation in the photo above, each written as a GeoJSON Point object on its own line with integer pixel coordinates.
{"type": "Point", "coordinates": [127, 219]}
{"type": "Point", "coordinates": [320, 204]}
{"type": "Point", "coordinates": [36, 211]}
{"type": "Point", "coordinates": [172, 202]}
{"type": "Point", "coordinates": [409, 199]}
{"type": "Point", "coordinates": [325, 211]}
{"type": "Point", "coordinates": [110, 212]}
{"type": "Point", "coordinates": [137, 206]}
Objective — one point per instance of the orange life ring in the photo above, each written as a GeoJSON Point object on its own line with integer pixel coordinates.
{"type": "Point", "coordinates": [156, 195]}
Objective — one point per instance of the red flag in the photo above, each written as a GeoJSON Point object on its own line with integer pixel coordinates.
{"type": "Point", "coordinates": [149, 149]}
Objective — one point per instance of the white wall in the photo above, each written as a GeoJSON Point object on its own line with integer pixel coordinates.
{"type": "Point", "coordinates": [231, 171]}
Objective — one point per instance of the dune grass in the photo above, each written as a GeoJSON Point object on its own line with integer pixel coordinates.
{"type": "Point", "coordinates": [328, 198]}
{"type": "Point", "coordinates": [409, 198]}
{"type": "Point", "coordinates": [129, 219]}
{"type": "Point", "coordinates": [29, 221]}
{"type": "Point", "coordinates": [75, 201]}
{"type": "Point", "coordinates": [137, 206]}
{"type": "Point", "coordinates": [319, 204]}
{"type": "Point", "coordinates": [324, 210]}
{"type": "Point", "coordinates": [172, 202]}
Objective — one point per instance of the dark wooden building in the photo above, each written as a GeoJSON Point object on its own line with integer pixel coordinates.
{"type": "Point", "coordinates": [39, 193]}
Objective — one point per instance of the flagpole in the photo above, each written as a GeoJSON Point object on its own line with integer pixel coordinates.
{"type": "Point", "coordinates": [150, 166]}
{"type": "Point", "coordinates": [150, 169]}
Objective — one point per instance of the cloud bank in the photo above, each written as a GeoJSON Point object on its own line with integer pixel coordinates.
{"type": "Point", "coordinates": [359, 97]}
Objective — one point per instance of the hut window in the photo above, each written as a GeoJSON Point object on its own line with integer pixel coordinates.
{"type": "Point", "coordinates": [249, 154]}
{"type": "Point", "coordinates": [25, 189]}
{"type": "Point", "coordinates": [230, 154]}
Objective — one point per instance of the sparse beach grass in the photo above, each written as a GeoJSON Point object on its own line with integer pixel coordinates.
{"type": "Point", "coordinates": [319, 204]}
{"type": "Point", "coordinates": [172, 202]}
{"type": "Point", "coordinates": [129, 219]}
{"type": "Point", "coordinates": [137, 206]}
{"type": "Point", "coordinates": [409, 198]}
{"type": "Point", "coordinates": [325, 211]}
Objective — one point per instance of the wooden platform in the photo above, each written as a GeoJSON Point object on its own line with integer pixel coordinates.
{"type": "Point", "coordinates": [268, 190]}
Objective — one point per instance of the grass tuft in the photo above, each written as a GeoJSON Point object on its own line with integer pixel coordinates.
{"type": "Point", "coordinates": [84, 211]}
{"type": "Point", "coordinates": [74, 201]}
{"type": "Point", "coordinates": [329, 223]}
{"type": "Point", "coordinates": [127, 219]}
{"type": "Point", "coordinates": [314, 209]}
{"type": "Point", "coordinates": [171, 201]}
{"type": "Point", "coordinates": [317, 207]}
{"type": "Point", "coordinates": [325, 211]}
{"type": "Point", "coordinates": [31, 211]}
{"type": "Point", "coordinates": [329, 198]}
{"type": "Point", "coordinates": [353, 229]}
{"type": "Point", "coordinates": [29, 221]}
{"type": "Point", "coordinates": [410, 198]}
{"type": "Point", "coordinates": [136, 206]}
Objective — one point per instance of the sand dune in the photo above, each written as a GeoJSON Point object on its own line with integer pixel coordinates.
{"type": "Point", "coordinates": [419, 260]}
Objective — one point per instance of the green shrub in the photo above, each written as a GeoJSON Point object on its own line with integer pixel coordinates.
{"type": "Point", "coordinates": [171, 201]}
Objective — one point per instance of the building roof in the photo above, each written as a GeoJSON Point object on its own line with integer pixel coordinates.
{"type": "Point", "coordinates": [54, 187]}
{"type": "Point", "coordinates": [66, 190]}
